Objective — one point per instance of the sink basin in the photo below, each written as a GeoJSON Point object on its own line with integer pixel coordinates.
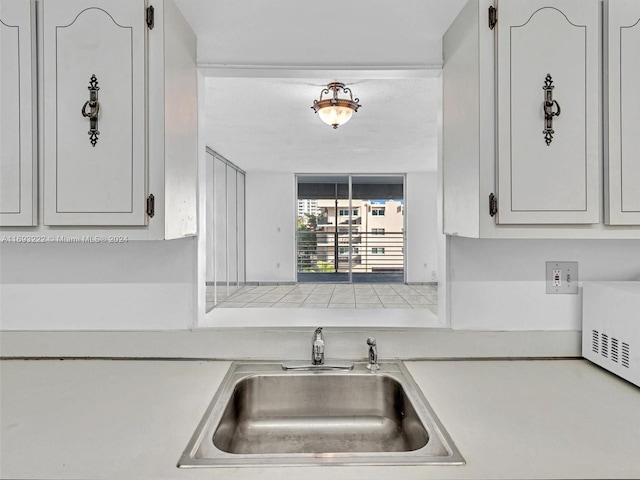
{"type": "Point", "coordinates": [264, 416]}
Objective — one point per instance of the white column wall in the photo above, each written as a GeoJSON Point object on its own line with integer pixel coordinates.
{"type": "Point", "coordinates": [421, 198]}
{"type": "Point", "coordinates": [271, 242]}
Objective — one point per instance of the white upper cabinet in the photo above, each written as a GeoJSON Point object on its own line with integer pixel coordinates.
{"type": "Point", "coordinates": [548, 156]}
{"type": "Point", "coordinates": [623, 95]}
{"type": "Point", "coordinates": [116, 115]}
{"type": "Point", "coordinates": [508, 171]}
{"type": "Point", "coordinates": [18, 167]}
{"type": "Point", "coordinates": [94, 112]}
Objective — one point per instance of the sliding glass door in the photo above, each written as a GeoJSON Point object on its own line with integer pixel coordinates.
{"type": "Point", "coordinates": [322, 232]}
{"type": "Point", "coordinates": [350, 228]}
{"type": "Point", "coordinates": [379, 233]}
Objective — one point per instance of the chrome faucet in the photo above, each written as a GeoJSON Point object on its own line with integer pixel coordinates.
{"type": "Point", "coordinates": [317, 348]}
{"type": "Point", "coordinates": [373, 355]}
{"type": "Point", "coordinates": [317, 358]}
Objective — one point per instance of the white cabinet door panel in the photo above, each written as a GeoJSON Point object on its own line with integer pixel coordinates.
{"type": "Point", "coordinates": [543, 182]}
{"type": "Point", "coordinates": [624, 113]}
{"type": "Point", "coordinates": [101, 182]}
{"type": "Point", "coordinates": [18, 184]}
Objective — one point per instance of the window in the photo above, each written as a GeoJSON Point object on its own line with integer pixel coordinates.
{"type": "Point", "coordinates": [377, 231]}
{"type": "Point", "coordinates": [345, 250]}
{"type": "Point", "coordinates": [377, 250]}
{"type": "Point", "coordinates": [377, 212]}
{"type": "Point", "coordinates": [344, 212]}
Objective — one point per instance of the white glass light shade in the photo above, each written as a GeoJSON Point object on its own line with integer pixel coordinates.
{"type": "Point", "coordinates": [335, 111]}
{"type": "Point", "coordinates": [335, 115]}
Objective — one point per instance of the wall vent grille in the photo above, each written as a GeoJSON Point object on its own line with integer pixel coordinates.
{"type": "Point", "coordinates": [595, 341]}
{"type": "Point", "coordinates": [625, 355]}
{"type": "Point", "coordinates": [611, 348]}
{"type": "Point", "coordinates": [604, 345]}
{"type": "Point", "coordinates": [614, 349]}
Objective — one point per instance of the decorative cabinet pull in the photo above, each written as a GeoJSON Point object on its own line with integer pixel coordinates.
{"type": "Point", "coordinates": [94, 106]}
{"type": "Point", "coordinates": [94, 109]}
{"type": "Point", "coordinates": [548, 105]}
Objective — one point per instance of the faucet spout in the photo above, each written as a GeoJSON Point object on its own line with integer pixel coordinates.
{"type": "Point", "coordinates": [317, 358]}
{"type": "Point", "coordinates": [317, 348]}
{"type": "Point", "coordinates": [373, 355]}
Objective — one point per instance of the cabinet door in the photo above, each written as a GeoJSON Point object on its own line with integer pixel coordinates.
{"type": "Point", "coordinates": [18, 185]}
{"type": "Point", "coordinates": [548, 178]}
{"type": "Point", "coordinates": [94, 168]}
{"type": "Point", "coordinates": [623, 180]}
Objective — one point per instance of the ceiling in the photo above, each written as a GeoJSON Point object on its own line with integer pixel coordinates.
{"type": "Point", "coordinates": [266, 61]}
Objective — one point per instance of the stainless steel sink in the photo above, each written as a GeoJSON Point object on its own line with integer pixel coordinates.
{"type": "Point", "coordinates": [262, 415]}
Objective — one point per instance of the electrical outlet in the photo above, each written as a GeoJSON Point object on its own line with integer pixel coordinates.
{"type": "Point", "coordinates": [562, 277]}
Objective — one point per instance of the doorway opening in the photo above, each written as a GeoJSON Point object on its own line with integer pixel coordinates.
{"type": "Point", "coordinates": [350, 229]}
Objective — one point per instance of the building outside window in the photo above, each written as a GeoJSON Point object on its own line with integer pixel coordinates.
{"type": "Point", "coordinates": [374, 226]}
{"type": "Point", "coordinates": [345, 212]}
{"type": "Point", "coordinates": [309, 206]}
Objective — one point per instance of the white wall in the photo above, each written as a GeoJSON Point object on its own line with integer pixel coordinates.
{"type": "Point", "coordinates": [142, 285]}
{"type": "Point", "coordinates": [271, 214]}
{"type": "Point", "coordinates": [257, 33]}
{"type": "Point", "coordinates": [271, 211]}
{"type": "Point", "coordinates": [422, 226]}
{"type": "Point", "coordinates": [500, 284]}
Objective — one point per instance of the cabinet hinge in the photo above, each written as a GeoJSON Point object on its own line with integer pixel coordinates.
{"type": "Point", "coordinates": [493, 17]}
{"type": "Point", "coordinates": [151, 205]}
{"type": "Point", "coordinates": [150, 17]}
{"type": "Point", "coordinates": [493, 205]}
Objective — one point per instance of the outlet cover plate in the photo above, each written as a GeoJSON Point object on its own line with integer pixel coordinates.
{"type": "Point", "coordinates": [568, 277]}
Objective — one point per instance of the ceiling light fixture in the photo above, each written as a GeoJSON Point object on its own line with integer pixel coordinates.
{"type": "Point", "coordinates": [335, 111]}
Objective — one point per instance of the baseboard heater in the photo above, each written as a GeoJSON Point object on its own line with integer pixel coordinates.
{"type": "Point", "coordinates": [611, 327]}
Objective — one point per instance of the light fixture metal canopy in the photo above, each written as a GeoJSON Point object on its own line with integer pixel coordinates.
{"type": "Point", "coordinates": [333, 110]}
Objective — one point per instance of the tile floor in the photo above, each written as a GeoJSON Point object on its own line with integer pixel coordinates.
{"type": "Point", "coordinates": [324, 295]}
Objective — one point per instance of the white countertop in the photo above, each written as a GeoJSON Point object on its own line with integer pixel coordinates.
{"type": "Point", "coordinates": [131, 419]}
